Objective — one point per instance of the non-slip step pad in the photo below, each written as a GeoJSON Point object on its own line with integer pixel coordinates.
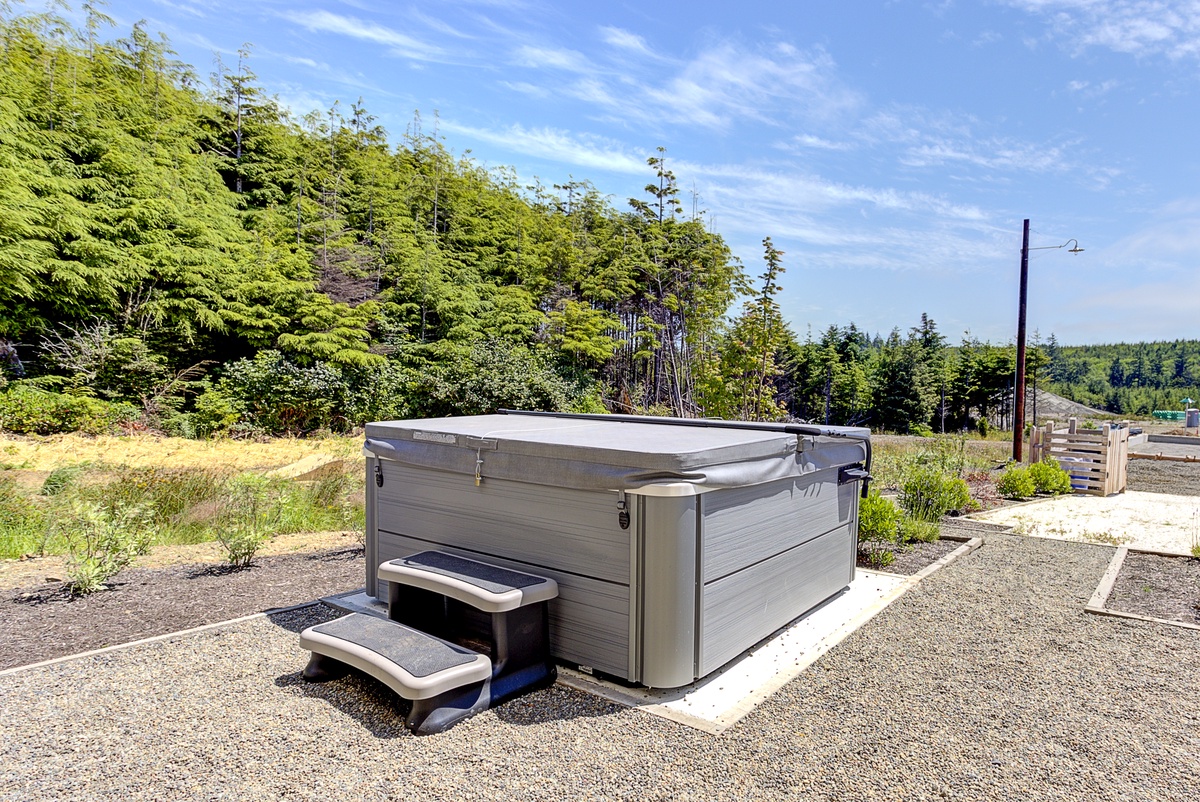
{"type": "Point", "coordinates": [485, 586]}
{"type": "Point", "coordinates": [412, 663]}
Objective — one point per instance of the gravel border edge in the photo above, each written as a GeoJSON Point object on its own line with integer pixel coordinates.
{"type": "Point", "coordinates": [155, 638]}
{"type": "Point", "coordinates": [1097, 605]}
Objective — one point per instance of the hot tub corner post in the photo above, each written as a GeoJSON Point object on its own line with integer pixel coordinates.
{"type": "Point", "coordinates": [669, 573]}
{"type": "Point", "coordinates": [371, 539]}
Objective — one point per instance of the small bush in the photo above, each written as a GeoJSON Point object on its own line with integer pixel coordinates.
{"type": "Point", "coordinates": [27, 410]}
{"type": "Point", "coordinates": [928, 494]}
{"type": "Point", "coordinates": [1016, 483]}
{"type": "Point", "coordinates": [914, 529]}
{"type": "Point", "coordinates": [241, 543]}
{"type": "Point", "coordinates": [878, 529]}
{"type": "Point", "coordinates": [983, 427]}
{"type": "Point", "coordinates": [251, 511]}
{"type": "Point", "coordinates": [1049, 477]}
{"type": "Point", "coordinates": [103, 541]}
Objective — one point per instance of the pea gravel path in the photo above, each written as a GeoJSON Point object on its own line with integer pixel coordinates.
{"type": "Point", "coordinates": [986, 681]}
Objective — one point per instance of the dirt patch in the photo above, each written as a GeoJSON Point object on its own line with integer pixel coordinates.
{"type": "Point", "coordinates": [43, 622]}
{"type": "Point", "coordinates": [1158, 587]}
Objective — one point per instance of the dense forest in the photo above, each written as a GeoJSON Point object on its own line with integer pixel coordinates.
{"type": "Point", "coordinates": [187, 256]}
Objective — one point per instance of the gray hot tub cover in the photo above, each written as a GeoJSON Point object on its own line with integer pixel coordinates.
{"type": "Point", "coordinates": [614, 453]}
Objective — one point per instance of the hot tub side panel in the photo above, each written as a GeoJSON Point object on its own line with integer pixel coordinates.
{"type": "Point", "coordinates": [768, 554]}
{"type": "Point", "coordinates": [571, 536]}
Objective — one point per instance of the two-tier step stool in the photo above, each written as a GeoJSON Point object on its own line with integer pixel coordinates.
{"type": "Point", "coordinates": [460, 636]}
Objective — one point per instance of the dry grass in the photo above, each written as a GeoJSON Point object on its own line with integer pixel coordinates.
{"type": "Point", "coordinates": [143, 451]}
{"type": "Point", "coordinates": [188, 485]}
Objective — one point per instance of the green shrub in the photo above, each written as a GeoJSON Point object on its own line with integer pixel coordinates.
{"type": "Point", "coordinates": [928, 494]}
{"type": "Point", "coordinates": [983, 427]}
{"type": "Point", "coordinates": [250, 512]}
{"type": "Point", "coordinates": [1049, 477]}
{"type": "Point", "coordinates": [274, 395]}
{"type": "Point", "coordinates": [101, 541]}
{"type": "Point", "coordinates": [240, 544]}
{"type": "Point", "coordinates": [878, 529]}
{"type": "Point", "coordinates": [28, 410]}
{"type": "Point", "coordinates": [1016, 483]}
{"type": "Point", "coordinates": [914, 529]}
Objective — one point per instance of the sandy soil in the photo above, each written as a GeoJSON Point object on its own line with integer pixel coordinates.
{"type": "Point", "coordinates": [1153, 521]}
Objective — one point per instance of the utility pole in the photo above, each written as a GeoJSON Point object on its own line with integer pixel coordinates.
{"type": "Point", "coordinates": [1018, 419]}
{"type": "Point", "coordinates": [1019, 394]}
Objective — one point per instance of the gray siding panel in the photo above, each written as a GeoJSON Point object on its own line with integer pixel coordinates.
{"type": "Point", "coordinates": [741, 609]}
{"type": "Point", "coordinates": [746, 525]}
{"type": "Point", "coordinates": [569, 530]}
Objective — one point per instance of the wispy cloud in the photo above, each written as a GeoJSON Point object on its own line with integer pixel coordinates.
{"type": "Point", "coordinates": [1137, 27]}
{"type": "Point", "coordinates": [581, 150]}
{"type": "Point", "coordinates": [624, 40]}
{"type": "Point", "coordinates": [810, 142]}
{"type": "Point", "coordinates": [550, 58]}
{"type": "Point", "coordinates": [723, 86]}
{"type": "Point", "coordinates": [1090, 89]}
{"type": "Point", "coordinates": [400, 44]}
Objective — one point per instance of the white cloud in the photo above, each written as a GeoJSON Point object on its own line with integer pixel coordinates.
{"type": "Point", "coordinates": [817, 143]}
{"type": "Point", "coordinates": [624, 40]}
{"type": "Point", "coordinates": [548, 143]}
{"type": "Point", "coordinates": [400, 44]}
{"type": "Point", "coordinates": [550, 58]}
{"type": "Point", "coordinates": [1137, 27]}
{"type": "Point", "coordinates": [526, 88]}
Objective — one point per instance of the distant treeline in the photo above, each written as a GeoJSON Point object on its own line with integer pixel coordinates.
{"type": "Point", "coordinates": [1127, 378]}
{"type": "Point", "coordinates": [189, 257]}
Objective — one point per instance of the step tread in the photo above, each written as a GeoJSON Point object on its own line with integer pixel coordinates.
{"type": "Point", "coordinates": [413, 663]}
{"type": "Point", "coordinates": [488, 587]}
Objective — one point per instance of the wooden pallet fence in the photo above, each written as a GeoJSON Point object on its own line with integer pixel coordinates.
{"type": "Point", "coordinates": [1095, 458]}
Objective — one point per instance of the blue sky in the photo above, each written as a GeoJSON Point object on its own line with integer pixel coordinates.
{"type": "Point", "coordinates": [890, 149]}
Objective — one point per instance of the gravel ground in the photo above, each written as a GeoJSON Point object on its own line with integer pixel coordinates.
{"type": "Point", "coordinates": [986, 681]}
{"type": "Point", "coordinates": [1155, 476]}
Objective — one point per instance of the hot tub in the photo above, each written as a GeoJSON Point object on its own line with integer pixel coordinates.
{"type": "Point", "coordinates": [676, 544]}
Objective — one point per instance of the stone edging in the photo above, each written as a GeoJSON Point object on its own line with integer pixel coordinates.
{"type": "Point", "coordinates": [1097, 604]}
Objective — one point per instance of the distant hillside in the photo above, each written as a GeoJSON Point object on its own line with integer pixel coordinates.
{"type": "Point", "coordinates": [1056, 408]}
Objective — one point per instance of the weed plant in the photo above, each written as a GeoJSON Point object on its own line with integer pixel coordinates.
{"type": "Point", "coordinates": [952, 455]}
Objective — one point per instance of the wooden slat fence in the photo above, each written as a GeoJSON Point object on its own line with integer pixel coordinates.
{"type": "Point", "coordinates": [1095, 458]}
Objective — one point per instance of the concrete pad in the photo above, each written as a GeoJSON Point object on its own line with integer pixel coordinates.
{"type": "Point", "coordinates": [1151, 521]}
{"type": "Point", "coordinates": [720, 700]}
